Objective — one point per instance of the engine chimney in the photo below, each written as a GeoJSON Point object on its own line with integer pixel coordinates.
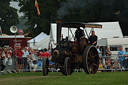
{"type": "Point", "coordinates": [59, 24]}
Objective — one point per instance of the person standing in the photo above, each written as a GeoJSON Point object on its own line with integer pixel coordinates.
{"type": "Point", "coordinates": [45, 54]}
{"type": "Point", "coordinates": [93, 39]}
{"type": "Point", "coordinates": [3, 57]}
{"type": "Point", "coordinates": [99, 52]}
{"type": "Point", "coordinates": [34, 57]}
{"type": "Point", "coordinates": [126, 58]}
{"type": "Point", "coordinates": [19, 58]}
{"type": "Point", "coordinates": [121, 57]}
{"type": "Point", "coordinates": [9, 55]}
{"type": "Point", "coordinates": [108, 52]}
{"type": "Point", "coordinates": [24, 56]}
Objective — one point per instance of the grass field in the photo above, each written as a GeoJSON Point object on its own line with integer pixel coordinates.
{"type": "Point", "coordinates": [56, 78]}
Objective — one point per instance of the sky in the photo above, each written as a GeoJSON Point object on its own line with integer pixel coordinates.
{"type": "Point", "coordinates": [15, 5]}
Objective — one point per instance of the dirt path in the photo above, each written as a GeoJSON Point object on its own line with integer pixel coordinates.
{"type": "Point", "coordinates": [23, 78]}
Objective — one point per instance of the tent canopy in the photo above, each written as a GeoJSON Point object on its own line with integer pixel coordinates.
{"type": "Point", "coordinates": [38, 38]}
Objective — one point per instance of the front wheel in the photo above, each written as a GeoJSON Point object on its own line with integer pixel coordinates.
{"type": "Point", "coordinates": [67, 66]}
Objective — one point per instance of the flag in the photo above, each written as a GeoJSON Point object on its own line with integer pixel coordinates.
{"type": "Point", "coordinates": [37, 7]}
{"type": "Point", "coordinates": [0, 31]}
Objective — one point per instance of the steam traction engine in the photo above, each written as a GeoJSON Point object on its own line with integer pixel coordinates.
{"type": "Point", "coordinates": [70, 54]}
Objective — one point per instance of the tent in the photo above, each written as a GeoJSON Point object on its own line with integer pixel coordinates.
{"type": "Point", "coordinates": [41, 41]}
{"type": "Point", "coordinates": [108, 30]}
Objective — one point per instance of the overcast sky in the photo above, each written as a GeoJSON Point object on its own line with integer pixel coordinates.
{"type": "Point", "coordinates": [15, 5]}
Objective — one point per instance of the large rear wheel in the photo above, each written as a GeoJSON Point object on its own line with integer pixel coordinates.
{"type": "Point", "coordinates": [90, 60]}
{"type": "Point", "coordinates": [45, 66]}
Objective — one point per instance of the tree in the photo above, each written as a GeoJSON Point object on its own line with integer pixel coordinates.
{"type": "Point", "coordinates": [73, 11]}
{"type": "Point", "coordinates": [97, 11]}
{"type": "Point", "coordinates": [48, 9]}
{"type": "Point", "coordinates": [8, 16]}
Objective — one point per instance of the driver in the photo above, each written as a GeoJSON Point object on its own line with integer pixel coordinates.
{"type": "Point", "coordinates": [93, 39]}
{"type": "Point", "coordinates": [79, 33]}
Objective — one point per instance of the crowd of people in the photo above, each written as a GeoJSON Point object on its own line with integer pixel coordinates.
{"type": "Point", "coordinates": [109, 62]}
{"type": "Point", "coordinates": [25, 59]}
{"type": "Point", "coordinates": [20, 59]}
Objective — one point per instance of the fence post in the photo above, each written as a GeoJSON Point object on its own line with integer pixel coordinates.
{"type": "Point", "coordinates": [15, 63]}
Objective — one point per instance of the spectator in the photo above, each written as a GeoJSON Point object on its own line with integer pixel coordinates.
{"type": "Point", "coordinates": [93, 39]}
{"type": "Point", "coordinates": [45, 54]}
{"type": "Point", "coordinates": [39, 52]}
{"type": "Point", "coordinates": [116, 65]}
{"type": "Point", "coordinates": [34, 57]}
{"type": "Point", "coordinates": [29, 58]}
{"type": "Point", "coordinates": [3, 56]}
{"type": "Point", "coordinates": [24, 56]}
{"type": "Point", "coordinates": [9, 60]}
{"type": "Point", "coordinates": [99, 52]}
{"type": "Point", "coordinates": [108, 52]}
{"type": "Point", "coordinates": [126, 58]}
{"type": "Point", "coordinates": [108, 63]}
{"type": "Point", "coordinates": [121, 57]}
{"type": "Point", "coordinates": [100, 65]}
{"type": "Point", "coordinates": [29, 50]}
{"type": "Point", "coordinates": [19, 58]}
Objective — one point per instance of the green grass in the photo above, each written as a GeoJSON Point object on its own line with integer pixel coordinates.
{"type": "Point", "coordinates": [56, 78]}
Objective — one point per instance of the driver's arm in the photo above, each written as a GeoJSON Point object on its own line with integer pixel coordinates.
{"type": "Point", "coordinates": [94, 42]}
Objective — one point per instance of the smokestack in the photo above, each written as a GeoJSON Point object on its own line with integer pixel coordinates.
{"type": "Point", "coordinates": [59, 24]}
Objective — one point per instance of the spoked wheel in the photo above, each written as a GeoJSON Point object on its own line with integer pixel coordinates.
{"type": "Point", "coordinates": [45, 66]}
{"type": "Point", "coordinates": [67, 66]}
{"type": "Point", "coordinates": [90, 60]}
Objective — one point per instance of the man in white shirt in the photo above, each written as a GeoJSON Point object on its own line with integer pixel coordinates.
{"type": "Point", "coordinates": [24, 56]}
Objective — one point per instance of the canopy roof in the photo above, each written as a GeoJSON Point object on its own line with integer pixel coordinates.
{"type": "Point", "coordinates": [109, 30]}
{"type": "Point", "coordinates": [78, 24]}
{"type": "Point", "coordinates": [38, 38]}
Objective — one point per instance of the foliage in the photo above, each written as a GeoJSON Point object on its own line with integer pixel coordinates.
{"type": "Point", "coordinates": [8, 16]}
{"type": "Point", "coordinates": [47, 15]}
{"type": "Point", "coordinates": [73, 11]}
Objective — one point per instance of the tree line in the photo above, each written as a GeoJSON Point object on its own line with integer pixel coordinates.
{"type": "Point", "coordinates": [66, 10]}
